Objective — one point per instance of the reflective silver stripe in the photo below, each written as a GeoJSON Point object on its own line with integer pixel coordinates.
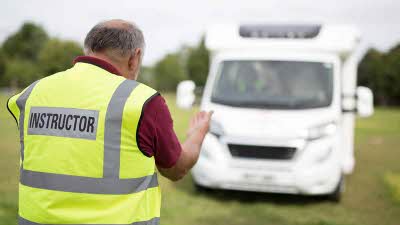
{"type": "Point", "coordinates": [112, 129]}
{"type": "Point", "coordinates": [77, 184]}
{"type": "Point", "coordinates": [21, 101]}
{"type": "Point", "coordinates": [110, 183]}
{"type": "Point", "coordinates": [153, 221]}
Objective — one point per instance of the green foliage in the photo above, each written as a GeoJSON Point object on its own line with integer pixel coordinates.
{"type": "Point", "coordinates": [186, 63]}
{"type": "Point", "coordinates": [393, 75]}
{"type": "Point", "coordinates": [198, 63]}
{"type": "Point", "coordinates": [29, 54]}
{"type": "Point", "coordinates": [2, 66]}
{"type": "Point", "coordinates": [57, 55]}
{"type": "Point", "coordinates": [20, 73]}
{"type": "Point", "coordinates": [169, 72]}
{"type": "Point", "coordinates": [146, 76]}
{"type": "Point", "coordinates": [26, 42]}
{"type": "Point", "coordinates": [381, 72]}
{"type": "Point", "coordinates": [31, 48]}
{"type": "Point", "coordinates": [371, 74]}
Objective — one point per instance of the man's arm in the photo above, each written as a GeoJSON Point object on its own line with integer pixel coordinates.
{"type": "Point", "coordinates": [198, 128]}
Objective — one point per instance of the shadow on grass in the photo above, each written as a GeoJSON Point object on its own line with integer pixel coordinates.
{"type": "Point", "coordinates": [187, 186]}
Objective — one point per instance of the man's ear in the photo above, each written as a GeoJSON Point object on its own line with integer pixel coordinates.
{"type": "Point", "coordinates": [134, 60]}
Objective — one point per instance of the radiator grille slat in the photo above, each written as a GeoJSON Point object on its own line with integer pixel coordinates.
{"type": "Point", "coordinates": [261, 152]}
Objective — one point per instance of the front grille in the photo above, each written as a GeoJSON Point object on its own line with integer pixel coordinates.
{"type": "Point", "coordinates": [262, 152]}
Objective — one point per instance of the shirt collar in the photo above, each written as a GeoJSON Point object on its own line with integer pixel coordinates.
{"type": "Point", "coordinates": [97, 62]}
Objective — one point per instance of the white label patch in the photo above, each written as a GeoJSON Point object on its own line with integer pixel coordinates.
{"type": "Point", "coordinates": [63, 122]}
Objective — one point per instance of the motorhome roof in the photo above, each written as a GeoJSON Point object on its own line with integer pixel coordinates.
{"type": "Point", "coordinates": [339, 39]}
{"type": "Point", "coordinates": [279, 31]}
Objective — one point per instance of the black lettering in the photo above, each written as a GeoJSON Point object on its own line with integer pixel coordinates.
{"type": "Point", "coordinates": [76, 117]}
{"type": "Point", "coordinates": [34, 120]}
{"type": "Point", "coordinates": [90, 126]}
{"type": "Point", "coordinates": [30, 120]}
{"type": "Point", "coordinates": [42, 116]}
{"type": "Point", "coordinates": [82, 123]}
{"type": "Point", "coordinates": [48, 119]}
{"type": "Point", "coordinates": [54, 121]}
{"type": "Point", "coordinates": [61, 121]}
{"type": "Point", "coordinates": [67, 125]}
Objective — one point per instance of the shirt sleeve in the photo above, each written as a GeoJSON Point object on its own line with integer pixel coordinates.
{"type": "Point", "coordinates": [156, 134]}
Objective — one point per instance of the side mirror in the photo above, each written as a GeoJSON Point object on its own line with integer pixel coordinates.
{"type": "Point", "coordinates": [185, 94]}
{"type": "Point", "coordinates": [365, 102]}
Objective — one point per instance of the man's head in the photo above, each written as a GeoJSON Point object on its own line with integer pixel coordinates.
{"type": "Point", "coordinates": [119, 42]}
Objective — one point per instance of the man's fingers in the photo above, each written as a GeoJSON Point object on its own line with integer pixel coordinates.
{"type": "Point", "coordinates": [202, 114]}
{"type": "Point", "coordinates": [209, 114]}
{"type": "Point", "coordinates": [206, 115]}
{"type": "Point", "coordinates": [201, 117]}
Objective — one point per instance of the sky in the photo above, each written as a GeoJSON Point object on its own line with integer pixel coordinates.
{"type": "Point", "coordinates": [169, 24]}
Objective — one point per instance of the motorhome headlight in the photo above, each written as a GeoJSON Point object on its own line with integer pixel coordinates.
{"type": "Point", "coordinates": [216, 129]}
{"type": "Point", "coordinates": [321, 131]}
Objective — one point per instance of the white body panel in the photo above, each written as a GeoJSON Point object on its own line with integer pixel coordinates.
{"type": "Point", "coordinates": [317, 165]}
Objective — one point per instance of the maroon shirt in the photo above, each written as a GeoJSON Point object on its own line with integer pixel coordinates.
{"type": "Point", "coordinates": [156, 134]}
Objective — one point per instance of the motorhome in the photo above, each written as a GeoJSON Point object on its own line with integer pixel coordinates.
{"type": "Point", "coordinates": [284, 99]}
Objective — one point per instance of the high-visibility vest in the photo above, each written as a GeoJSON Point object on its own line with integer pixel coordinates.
{"type": "Point", "coordinates": [80, 160]}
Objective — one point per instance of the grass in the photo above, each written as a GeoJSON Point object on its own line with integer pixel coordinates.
{"type": "Point", "coordinates": [393, 182]}
{"type": "Point", "coordinates": [367, 200]}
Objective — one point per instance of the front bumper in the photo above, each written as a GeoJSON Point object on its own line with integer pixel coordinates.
{"type": "Point", "coordinates": [296, 176]}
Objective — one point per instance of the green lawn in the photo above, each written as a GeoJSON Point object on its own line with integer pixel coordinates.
{"type": "Point", "coordinates": [368, 198]}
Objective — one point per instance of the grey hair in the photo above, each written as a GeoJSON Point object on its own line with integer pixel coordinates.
{"type": "Point", "coordinates": [122, 40]}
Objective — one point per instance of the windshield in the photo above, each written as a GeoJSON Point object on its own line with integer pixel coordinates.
{"type": "Point", "coordinates": [274, 84]}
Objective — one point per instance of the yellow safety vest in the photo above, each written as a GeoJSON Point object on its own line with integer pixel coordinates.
{"type": "Point", "coordinates": [80, 160]}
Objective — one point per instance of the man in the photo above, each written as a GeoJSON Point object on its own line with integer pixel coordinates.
{"type": "Point", "coordinates": [91, 137]}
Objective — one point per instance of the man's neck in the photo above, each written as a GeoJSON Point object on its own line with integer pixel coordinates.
{"type": "Point", "coordinates": [104, 57]}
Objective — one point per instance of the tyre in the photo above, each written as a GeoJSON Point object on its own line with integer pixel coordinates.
{"type": "Point", "coordinates": [336, 195]}
{"type": "Point", "coordinates": [201, 189]}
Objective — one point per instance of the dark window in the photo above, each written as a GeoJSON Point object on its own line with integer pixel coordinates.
{"type": "Point", "coordinates": [274, 84]}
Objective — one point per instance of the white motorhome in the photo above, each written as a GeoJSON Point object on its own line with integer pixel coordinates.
{"type": "Point", "coordinates": [284, 99]}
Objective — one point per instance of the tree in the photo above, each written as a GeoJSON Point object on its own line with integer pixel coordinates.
{"type": "Point", "coordinates": [381, 72]}
{"type": "Point", "coordinates": [198, 64]}
{"type": "Point", "coordinates": [393, 75]}
{"type": "Point", "coordinates": [25, 43]}
{"type": "Point", "coordinates": [372, 73]}
{"type": "Point", "coordinates": [20, 53]}
{"type": "Point", "coordinates": [57, 55]}
{"type": "Point", "coordinates": [2, 68]}
{"type": "Point", "coordinates": [169, 72]}
{"type": "Point", "coordinates": [146, 76]}
{"type": "Point", "coordinates": [20, 73]}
